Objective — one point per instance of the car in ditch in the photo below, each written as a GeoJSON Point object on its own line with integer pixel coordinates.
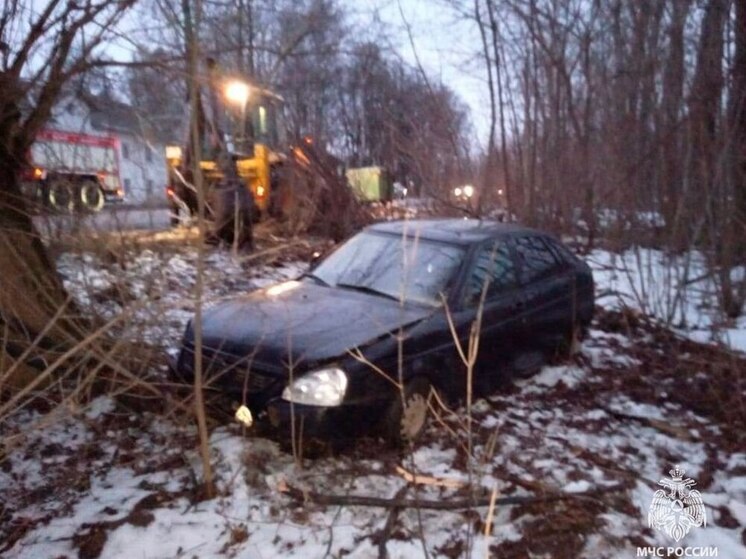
{"type": "Point", "coordinates": [360, 341]}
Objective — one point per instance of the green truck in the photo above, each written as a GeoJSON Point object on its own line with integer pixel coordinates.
{"type": "Point", "coordinates": [370, 184]}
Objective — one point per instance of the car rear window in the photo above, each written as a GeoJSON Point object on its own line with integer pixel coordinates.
{"type": "Point", "coordinates": [494, 266]}
{"type": "Point", "coordinates": [537, 260]}
{"type": "Point", "coordinates": [561, 251]}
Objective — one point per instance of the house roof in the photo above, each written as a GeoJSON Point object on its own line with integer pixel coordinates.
{"type": "Point", "coordinates": [110, 115]}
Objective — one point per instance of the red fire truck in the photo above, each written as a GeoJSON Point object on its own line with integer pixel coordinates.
{"type": "Point", "coordinates": [73, 172]}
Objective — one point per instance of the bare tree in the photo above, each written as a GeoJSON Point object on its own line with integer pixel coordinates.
{"type": "Point", "coordinates": [191, 19]}
{"type": "Point", "coordinates": [734, 295]}
{"type": "Point", "coordinates": [44, 46]}
{"type": "Point", "coordinates": [738, 120]}
{"type": "Point", "coordinates": [624, 120]}
{"type": "Point", "coordinates": [671, 115]}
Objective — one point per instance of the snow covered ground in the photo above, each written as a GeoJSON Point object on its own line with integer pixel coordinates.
{"type": "Point", "coordinates": [158, 287]}
{"type": "Point", "coordinates": [109, 482]}
{"type": "Point", "coordinates": [675, 289]}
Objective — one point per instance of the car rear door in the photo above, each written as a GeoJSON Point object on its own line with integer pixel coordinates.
{"type": "Point", "coordinates": [492, 282]}
{"type": "Point", "coordinates": [547, 287]}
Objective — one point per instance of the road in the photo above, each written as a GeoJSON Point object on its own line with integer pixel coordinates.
{"type": "Point", "coordinates": [111, 219]}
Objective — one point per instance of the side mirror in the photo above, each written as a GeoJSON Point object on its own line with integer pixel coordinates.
{"type": "Point", "coordinates": [319, 255]}
{"type": "Point", "coordinates": [315, 259]}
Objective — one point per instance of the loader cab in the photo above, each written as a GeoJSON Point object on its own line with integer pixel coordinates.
{"type": "Point", "coordinates": [257, 123]}
{"type": "Point", "coordinates": [259, 145]}
{"type": "Point", "coordinates": [266, 122]}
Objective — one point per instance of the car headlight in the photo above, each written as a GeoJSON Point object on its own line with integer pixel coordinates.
{"type": "Point", "coordinates": [325, 387]}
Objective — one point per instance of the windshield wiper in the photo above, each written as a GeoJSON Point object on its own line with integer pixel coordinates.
{"type": "Point", "coordinates": [366, 289]}
{"type": "Point", "coordinates": [315, 278]}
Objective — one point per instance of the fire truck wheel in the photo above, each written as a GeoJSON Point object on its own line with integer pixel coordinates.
{"type": "Point", "coordinates": [91, 196]}
{"type": "Point", "coordinates": [61, 196]}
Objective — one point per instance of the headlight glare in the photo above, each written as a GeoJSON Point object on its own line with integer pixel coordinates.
{"type": "Point", "coordinates": [325, 387]}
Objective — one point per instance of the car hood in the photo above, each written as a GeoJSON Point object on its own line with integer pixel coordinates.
{"type": "Point", "coordinates": [309, 322]}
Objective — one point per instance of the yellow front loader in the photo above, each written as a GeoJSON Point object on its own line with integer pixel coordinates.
{"type": "Point", "coordinates": [239, 126]}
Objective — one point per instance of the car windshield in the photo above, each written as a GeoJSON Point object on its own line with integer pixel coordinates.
{"type": "Point", "coordinates": [408, 269]}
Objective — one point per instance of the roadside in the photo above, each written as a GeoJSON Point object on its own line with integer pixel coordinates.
{"type": "Point", "coordinates": [112, 218]}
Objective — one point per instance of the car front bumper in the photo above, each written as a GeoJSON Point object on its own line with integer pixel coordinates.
{"type": "Point", "coordinates": [339, 422]}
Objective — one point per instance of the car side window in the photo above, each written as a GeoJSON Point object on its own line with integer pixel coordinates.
{"type": "Point", "coordinates": [537, 260]}
{"type": "Point", "coordinates": [493, 265]}
{"type": "Point", "coordinates": [562, 253]}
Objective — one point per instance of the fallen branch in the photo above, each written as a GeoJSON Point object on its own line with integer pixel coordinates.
{"type": "Point", "coordinates": [428, 480]}
{"type": "Point", "coordinates": [385, 534]}
{"type": "Point", "coordinates": [660, 425]}
{"type": "Point", "coordinates": [482, 500]}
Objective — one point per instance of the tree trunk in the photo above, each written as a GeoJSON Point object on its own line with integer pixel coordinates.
{"type": "Point", "coordinates": [673, 87]}
{"type": "Point", "coordinates": [488, 177]}
{"type": "Point", "coordinates": [191, 26]}
{"type": "Point", "coordinates": [40, 330]}
{"type": "Point", "coordinates": [36, 318]}
{"type": "Point", "coordinates": [707, 176]}
{"type": "Point", "coordinates": [738, 121]}
{"type": "Point", "coordinates": [705, 98]}
{"type": "Point", "coordinates": [507, 183]}
{"type": "Point", "coordinates": [734, 243]}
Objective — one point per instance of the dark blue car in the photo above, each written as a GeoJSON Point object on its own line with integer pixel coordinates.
{"type": "Point", "coordinates": [359, 342]}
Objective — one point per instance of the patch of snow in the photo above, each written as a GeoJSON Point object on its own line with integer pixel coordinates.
{"type": "Point", "coordinates": [579, 486]}
{"type": "Point", "coordinates": [100, 406]}
{"type": "Point", "coordinates": [636, 409]}
{"type": "Point", "coordinates": [549, 377]}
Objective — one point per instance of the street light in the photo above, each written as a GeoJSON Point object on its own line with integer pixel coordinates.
{"type": "Point", "coordinates": [464, 192]}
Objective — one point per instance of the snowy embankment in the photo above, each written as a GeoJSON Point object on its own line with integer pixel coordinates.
{"type": "Point", "coordinates": [675, 289]}
{"type": "Point", "coordinates": [634, 403]}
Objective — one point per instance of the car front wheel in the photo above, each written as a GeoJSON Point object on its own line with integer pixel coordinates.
{"type": "Point", "coordinates": [407, 415]}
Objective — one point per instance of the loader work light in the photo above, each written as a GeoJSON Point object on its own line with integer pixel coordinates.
{"type": "Point", "coordinates": [237, 92]}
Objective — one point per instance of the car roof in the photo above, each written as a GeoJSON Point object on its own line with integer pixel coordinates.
{"type": "Point", "coordinates": [454, 230]}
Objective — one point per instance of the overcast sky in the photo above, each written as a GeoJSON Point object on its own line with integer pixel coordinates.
{"type": "Point", "coordinates": [444, 43]}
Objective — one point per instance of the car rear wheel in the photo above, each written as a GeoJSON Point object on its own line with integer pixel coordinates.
{"type": "Point", "coordinates": [572, 343]}
{"type": "Point", "coordinates": [407, 415]}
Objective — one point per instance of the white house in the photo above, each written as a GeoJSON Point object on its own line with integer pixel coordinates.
{"type": "Point", "coordinates": [142, 159]}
